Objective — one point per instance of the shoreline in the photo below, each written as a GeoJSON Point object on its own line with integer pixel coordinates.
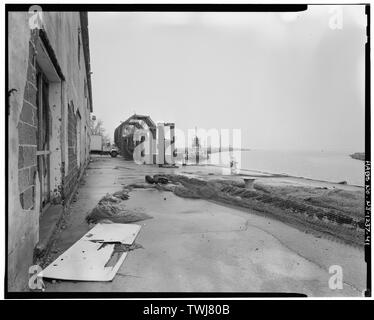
{"type": "Point", "coordinates": [358, 156]}
{"type": "Point", "coordinates": [345, 168]}
{"type": "Point", "coordinates": [266, 174]}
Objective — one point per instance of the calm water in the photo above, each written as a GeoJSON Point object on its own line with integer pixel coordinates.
{"type": "Point", "coordinates": [328, 166]}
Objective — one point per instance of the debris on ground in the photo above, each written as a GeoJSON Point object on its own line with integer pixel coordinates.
{"type": "Point", "coordinates": [112, 209]}
{"type": "Point", "coordinates": [149, 179]}
{"type": "Point", "coordinates": [109, 198]}
{"type": "Point", "coordinates": [123, 247]}
{"type": "Point", "coordinates": [116, 213]}
{"type": "Point", "coordinates": [141, 186]}
{"type": "Point", "coordinates": [182, 191]}
{"type": "Point", "coordinates": [167, 187]}
{"type": "Point", "coordinates": [123, 194]}
{"type": "Point", "coordinates": [156, 179]}
{"type": "Point", "coordinates": [165, 165]}
{"type": "Point", "coordinates": [159, 182]}
{"type": "Point", "coordinates": [160, 179]}
{"type": "Point", "coordinates": [97, 256]}
{"type": "Point", "coordinates": [119, 249]}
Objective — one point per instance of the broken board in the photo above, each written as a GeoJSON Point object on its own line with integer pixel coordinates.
{"type": "Point", "coordinates": [113, 232]}
{"type": "Point", "coordinates": [91, 257]}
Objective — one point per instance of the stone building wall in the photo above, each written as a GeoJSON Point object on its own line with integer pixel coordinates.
{"type": "Point", "coordinates": [58, 49]}
{"type": "Point", "coordinates": [73, 173]}
{"type": "Point", "coordinates": [27, 131]}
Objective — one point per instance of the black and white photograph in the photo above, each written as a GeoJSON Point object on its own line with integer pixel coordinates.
{"type": "Point", "coordinates": [187, 150]}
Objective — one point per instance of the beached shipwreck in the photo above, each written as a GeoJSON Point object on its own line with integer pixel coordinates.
{"type": "Point", "coordinates": [139, 138]}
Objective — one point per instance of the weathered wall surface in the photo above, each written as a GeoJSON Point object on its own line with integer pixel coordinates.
{"type": "Point", "coordinates": [23, 223]}
{"type": "Point", "coordinates": [56, 141]}
{"type": "Point", "coordinates": [73, 172]}
{"type": "Point", "coordinates": [63, 33]}
{"type": "Point", "coordinates": [27, 133]}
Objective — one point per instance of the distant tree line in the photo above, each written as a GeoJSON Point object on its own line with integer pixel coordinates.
{"type": "Point", "coordinates": [97, 128]}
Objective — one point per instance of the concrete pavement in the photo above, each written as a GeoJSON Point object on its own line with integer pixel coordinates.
{"type": "Point", "coordinates": [199, 246]}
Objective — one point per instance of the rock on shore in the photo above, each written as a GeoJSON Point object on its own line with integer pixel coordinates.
{"type": "Point", "coordinates": [358, 156]}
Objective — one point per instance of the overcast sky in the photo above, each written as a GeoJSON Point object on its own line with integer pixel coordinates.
{"type": "Point", "coordinates": [288, 81]}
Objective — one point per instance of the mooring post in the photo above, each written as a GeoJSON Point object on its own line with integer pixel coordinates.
{"type": "Point", "coordinates": [249, 183]}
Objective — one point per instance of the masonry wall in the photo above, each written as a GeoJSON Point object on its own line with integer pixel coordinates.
{"type": "Point", "coordinates": [73, 172]}
{"type": "Point", "coordinates": [67, 100]}
{"type": "Point", "coordinates": [27, 131]}
{"type": "Point", "coordinates": [68, 41]}
{"type": "Point", "coordinates": [23, 223]}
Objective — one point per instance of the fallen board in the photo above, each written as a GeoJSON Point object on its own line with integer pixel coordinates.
{"type": "Point", "coordinates": [88, 260]}
{"type": "Point", "coordinates": [113, 232]}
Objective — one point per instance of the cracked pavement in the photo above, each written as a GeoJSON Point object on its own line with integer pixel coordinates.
{"type": "Point", "coordinates": [193, 245]}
